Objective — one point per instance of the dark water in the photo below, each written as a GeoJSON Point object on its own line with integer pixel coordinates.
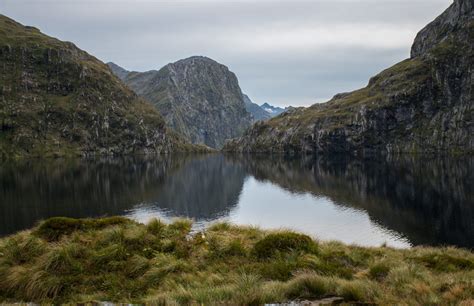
{"type": "Point", "coordinates": [400, 201]}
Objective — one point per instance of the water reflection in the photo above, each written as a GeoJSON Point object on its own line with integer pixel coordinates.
{"type": "Point", "coordinates": [428, 200]}
{"type": "Point", "coordinates": [399, 200]}
{"type": "Point", "coordinates": [204, 188]}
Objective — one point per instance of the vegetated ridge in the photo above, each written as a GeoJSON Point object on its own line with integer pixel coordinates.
{"type": "Point", "coordinates": [422, 104]}
{"type": "Point", "coordinates": [57, 100]}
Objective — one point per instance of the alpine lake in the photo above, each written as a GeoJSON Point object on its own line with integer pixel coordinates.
{"type": "Point", "coordinates": [400, 201]}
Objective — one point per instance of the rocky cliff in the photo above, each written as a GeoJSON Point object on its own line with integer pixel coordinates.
{"type": "Point", "coordinates": [56, 99]}
{"type": "Point", "coordinates": [423, 104]}
{"type": "Point", "coordinates": [198, 97]}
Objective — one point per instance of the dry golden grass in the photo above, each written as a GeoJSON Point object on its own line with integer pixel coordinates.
{"type": "Point", "coordinates": [118, 260]}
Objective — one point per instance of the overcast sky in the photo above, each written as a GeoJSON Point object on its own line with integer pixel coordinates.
{"type": "Point", "coordinates": [283, 52]}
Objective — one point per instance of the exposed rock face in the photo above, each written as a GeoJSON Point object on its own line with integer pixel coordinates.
{"type": "Point", "coordinates": [118, 71]}
{"type": "Point", "coordinates": [423, 104]}
{"type": "Point", "coordinates": [198, 97]}
{"type": "Point", "coordinates": [258, 113]}
{"type": "Point", "coordinates": [56, 99]}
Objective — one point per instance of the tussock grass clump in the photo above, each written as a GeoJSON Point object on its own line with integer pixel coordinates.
{"type": "Point", "coordinates": [281, 242]}
{"type": "Point", "coordinates": [442, 261]}
{"type": "Point", "coordinates": [74, 261]}
{"type": "Point", "coordinates": [379, 270]}
{"type": "Point", "coordinates": [52, 229]}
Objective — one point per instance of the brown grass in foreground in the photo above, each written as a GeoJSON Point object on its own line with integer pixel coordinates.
{"type": "Point", "coordinates": [118, 260]}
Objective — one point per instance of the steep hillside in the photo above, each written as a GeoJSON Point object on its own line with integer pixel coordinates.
{"type": "Point", "coordinates": [198, 97]}
{"type": "Point", "coordinates": [56, 99]}
{"type": "Point", "coordinates": [423, 104]}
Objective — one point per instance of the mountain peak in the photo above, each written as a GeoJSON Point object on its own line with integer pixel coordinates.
{"type": "Point", "coordinates": [118, 71]}
{"type": "Point", "coordinates": [199, 98]}
{"type": "Point", "coordinates": [458, 16]}
{"type": "Point", "coordinates": [196, 60]}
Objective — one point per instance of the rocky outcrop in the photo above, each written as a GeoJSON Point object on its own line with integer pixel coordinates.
{"type": "Point", "coordinates": [423, 104]}
{"type": "Point", "coordinates": [198, 97]}
{"type": "Point", "coordinates": [56, 100]}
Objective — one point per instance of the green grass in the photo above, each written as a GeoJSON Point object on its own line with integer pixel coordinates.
{"type": "Point", "coordinates": [66, 260]}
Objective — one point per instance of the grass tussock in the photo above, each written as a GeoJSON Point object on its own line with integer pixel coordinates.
{"type": "Point", "coordinates": [118, 260]}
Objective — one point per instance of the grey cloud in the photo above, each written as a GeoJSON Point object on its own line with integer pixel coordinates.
{"type": "Point", "coordinates": [284, 52]}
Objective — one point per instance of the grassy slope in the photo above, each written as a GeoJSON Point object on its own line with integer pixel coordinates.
{"type": "Point", "coordinates": [67, 260]}
{"type": "Point", "coordinates": [56, 99]}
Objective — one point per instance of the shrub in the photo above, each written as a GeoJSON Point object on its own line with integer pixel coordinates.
{"type": "Point", "coordinates": [283, 242]}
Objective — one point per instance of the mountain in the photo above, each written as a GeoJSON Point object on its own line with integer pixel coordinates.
{"type": "Point", "coordinates": [422, 104]}
{"type": "Point", "coordinates": [273, 110]}
{"type": "Point", "coordinates": [118, 71]}
{"type": "Point", "coordinates": [56, 99]}
{"type": "Point", "coordinates": [262, 112]}
{"type": "Point", "coordinates": [198, 97]}
{"type": "Point", "coordinates": [255, 110]}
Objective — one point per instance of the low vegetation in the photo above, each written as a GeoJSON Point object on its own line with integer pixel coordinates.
{"type": "Point", "coordinates": [118, 260]}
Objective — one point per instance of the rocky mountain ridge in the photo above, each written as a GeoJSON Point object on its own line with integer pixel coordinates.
{"type": "Point", "coordinates": [198, 97]}
{"type": "Point", "coordinates": [423, 104]}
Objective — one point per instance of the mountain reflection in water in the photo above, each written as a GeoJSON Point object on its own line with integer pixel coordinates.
{"type": "Point", "coordinates": [401, 201]}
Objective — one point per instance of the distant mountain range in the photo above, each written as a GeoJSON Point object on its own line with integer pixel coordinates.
{"type": "Point", "coordinates": [273, 110]}
{"type": "Point", "coordinates": [262, 112]}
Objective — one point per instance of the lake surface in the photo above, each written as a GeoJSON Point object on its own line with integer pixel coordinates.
{"type": "Point", "coordinates": [402, 202]}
